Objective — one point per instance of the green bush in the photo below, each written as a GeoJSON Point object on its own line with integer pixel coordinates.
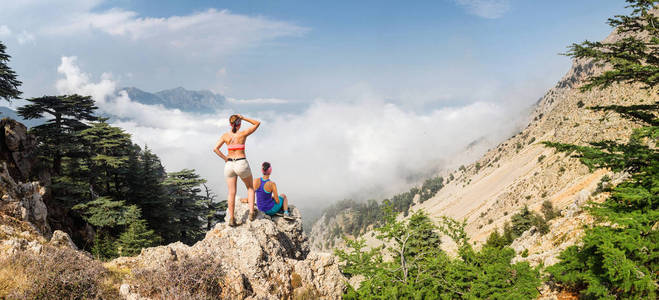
{"type": "Point", "coordinates": [548, 210]}
{"type": "Point", "coordinates": [525, 253]}
{"type": "Point", "coordinates": [419, 269]}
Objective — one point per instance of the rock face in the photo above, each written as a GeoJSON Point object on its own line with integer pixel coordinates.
{"type": "Point", "coordinates": [17, 149]}
{"type": "Point", "coordinates": [20, 198]}
{"type": "Point", "coordinates": [267, 258]}
{"type": "Point", "coordinates": [23, 201]}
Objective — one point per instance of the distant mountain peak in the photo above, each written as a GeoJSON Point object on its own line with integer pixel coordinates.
{"type": "Point", "coordinates": [178, 98]}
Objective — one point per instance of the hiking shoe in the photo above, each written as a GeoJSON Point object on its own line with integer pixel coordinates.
{"type": "Point", "coordinates": [252, 215]}
{"type": "Point", "coordinates": [232, 222]}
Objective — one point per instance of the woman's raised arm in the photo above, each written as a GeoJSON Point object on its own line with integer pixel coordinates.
{"type": "Point", "coordinates": [255, 124]}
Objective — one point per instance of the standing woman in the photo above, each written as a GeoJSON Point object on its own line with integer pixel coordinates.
{"type": "Point", "coordinates": [236, 163]}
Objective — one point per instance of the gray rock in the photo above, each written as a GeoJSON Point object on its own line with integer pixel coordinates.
{"type": "Point", "coordinates": [267, 258]}
{"type": "Point", "coordinates": [62, 239]}
{"type": "Point", "coordinates": [23, 201]}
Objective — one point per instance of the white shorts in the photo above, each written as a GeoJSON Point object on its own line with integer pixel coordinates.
{"type": "Point", "coordinates": [237, 168]}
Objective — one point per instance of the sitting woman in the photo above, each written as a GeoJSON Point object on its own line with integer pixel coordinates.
{"type": "Point", "coordinates": [267, 198]}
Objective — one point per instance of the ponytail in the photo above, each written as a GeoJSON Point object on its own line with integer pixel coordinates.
{"type": "Point", "coordinates": [234, 120]}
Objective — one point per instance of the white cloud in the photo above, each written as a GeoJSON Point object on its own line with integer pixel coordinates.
{"type": "Point", "coordinates": [214, 31]}
{"type": "Point", "coordinates": [4, 31]}
{"type": "Point", "coordinates": [330, 151]}
{"type": "Point", "coordinates": [489, 9]}
{"type": "Point", "coordinates": [258, 101]}
{"type": "Point", "coordinates": [75, 81]}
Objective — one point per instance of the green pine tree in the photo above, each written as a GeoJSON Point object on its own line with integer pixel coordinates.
{"type": "Point", "coordinates": [103, 212]}
{"type": "Point", "coordinates": [145, 181]}
{"type": "Point", "coordinates": [186, 202]}
{"type": "Point", "coordinates": [104, 246]}
{"type": "Point", "coordinates": [108, 149]}
{"type": "Point", "coordinates": [136, 237]}
{"type": "Point", "coordinates": [8, 82]}
{"type": "Point", "coordinates": [619, 254]}
{"type": "Point", "coordinates": [418, 269]}
{"type": "Point", "coordinates": [67, 116]}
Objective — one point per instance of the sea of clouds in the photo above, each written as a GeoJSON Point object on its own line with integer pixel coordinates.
{"type": "Point", "coordinates": [330, 150]}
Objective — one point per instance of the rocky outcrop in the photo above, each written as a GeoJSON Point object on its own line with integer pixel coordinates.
{"type": "Point", "coordinates": [23, 201]}
{"type": "Point", "coordinates": [267, 258]}
{"type": "Point", "coordinates": [17, 149]}
{"type": "Point", "coordinates": [20, 198]}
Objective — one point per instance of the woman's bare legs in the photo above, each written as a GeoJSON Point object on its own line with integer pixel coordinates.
{"type": "Point", "coordinates": [285, 201]}
{"type": "Point", "coordinates": [250, 193]}
{"type": "Point", "coordinates": [231, 197]}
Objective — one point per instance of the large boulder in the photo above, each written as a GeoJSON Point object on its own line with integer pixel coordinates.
{"type": "Point", "coordinates": [267, 258]}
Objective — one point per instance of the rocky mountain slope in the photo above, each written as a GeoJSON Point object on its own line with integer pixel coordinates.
{"type": "Point", "coordinates": [521, 171]}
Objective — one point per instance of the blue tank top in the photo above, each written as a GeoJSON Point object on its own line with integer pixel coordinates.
{"type": "Point", "coordinates": [264, 199]}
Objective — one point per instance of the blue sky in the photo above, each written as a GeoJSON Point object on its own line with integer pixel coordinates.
{"type": "Point", "coordinates": [391, 48]}
{"type": "Point", "coordinates": [343, 87]}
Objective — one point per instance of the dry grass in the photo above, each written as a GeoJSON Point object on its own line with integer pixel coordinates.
{"type": "Point", "coordinates": [57, 273]}
{"type": "Point", "coordinates": [308, 292]}
{"type": "Point", "coordinates": [193, 278]}
{"type": "Point", "coordinates": [296, 280]}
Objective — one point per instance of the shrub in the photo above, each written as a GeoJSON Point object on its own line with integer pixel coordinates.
{"type": "Point", "coordinates": [540, 224]}
{"type": "Point", "coordinates": [521, 221]}
{"type": "Point", "coordinates": [200, 277]}
{"type": "Point", "coordinates": [525, 253]}
{"type": "Point", "coordinates": [541, 157]}
{"type": "Point", "coordinates": [548, 210]}
{"type": "Point", "coordinates": [421, 270]}
{"type": "Point", "coordinates": [604, 185]}
{"type": "Point", "coordinates": [56, 273]}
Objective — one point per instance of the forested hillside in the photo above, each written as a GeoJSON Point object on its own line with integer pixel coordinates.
{"type": "Point", "coordinates": [112, 196]}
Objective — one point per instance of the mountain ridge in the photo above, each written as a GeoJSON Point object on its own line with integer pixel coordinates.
{"type": "Point", "coordinates": [202, 101]}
